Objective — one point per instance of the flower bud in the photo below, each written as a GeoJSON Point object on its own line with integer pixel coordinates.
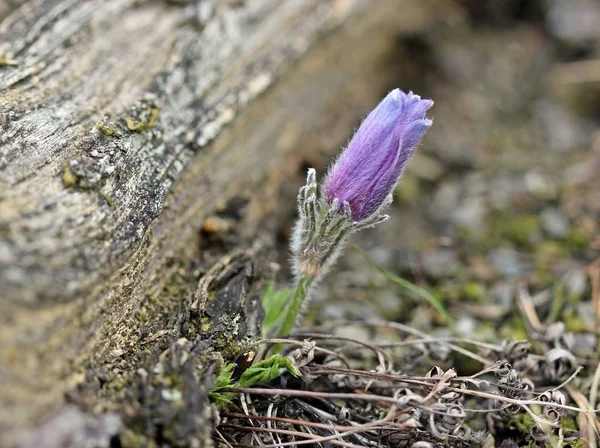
{"type": "Point", "coordinates": [367, 171]}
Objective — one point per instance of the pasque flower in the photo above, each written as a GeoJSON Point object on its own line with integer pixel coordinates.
{"type": "Point", "coordinates": [367, 171]}
{"type": "Point", "coordinates": [355, 192]}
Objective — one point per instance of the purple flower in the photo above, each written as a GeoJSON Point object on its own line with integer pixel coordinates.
{"type": "Point", "coordinates": [368, 170]}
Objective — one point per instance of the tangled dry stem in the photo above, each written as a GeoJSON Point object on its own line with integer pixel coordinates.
{"type": "Point", "coordinates": [355, 393]}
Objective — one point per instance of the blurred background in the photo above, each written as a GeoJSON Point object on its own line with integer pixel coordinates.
{"type": "Point", "coordinates": [504, 193]}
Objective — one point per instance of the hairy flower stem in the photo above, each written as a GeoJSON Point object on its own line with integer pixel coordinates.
{"type": "Point", "coordinates": [294, 310]}
{"type": "Point", "coordinates": [319, 237]}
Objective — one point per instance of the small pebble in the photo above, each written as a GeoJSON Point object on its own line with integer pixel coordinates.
{"type": "Point", "coordinates": [506, 262]}
{"type": "Point", "coordinates": [554, 222]}
{"type": "Point", "coordinates": [440, 262]}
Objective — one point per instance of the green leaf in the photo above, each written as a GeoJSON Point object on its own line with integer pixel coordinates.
{"type": "Point", "coordinates": [260, 373]}
{"type": "Point", "coordinates": [273, 302]}
{"type": "Point", "coordinates": [416, 289]}
{"type": "Point", "coordinates": [267, 370]}
{"type": "Point", "coordinates": [217, 393]}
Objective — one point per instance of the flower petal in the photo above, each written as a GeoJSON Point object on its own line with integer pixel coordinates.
{"type": "Point", "coordinates": [368, 170]}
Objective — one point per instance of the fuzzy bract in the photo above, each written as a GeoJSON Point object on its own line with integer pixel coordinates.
{"type": "Point", "coordinates": [368, 170]}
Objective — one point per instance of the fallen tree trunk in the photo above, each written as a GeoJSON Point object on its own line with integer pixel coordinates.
{"type": "Point", "coordinates": [145, 147]}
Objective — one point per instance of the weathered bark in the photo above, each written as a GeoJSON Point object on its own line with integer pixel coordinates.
{"type": "Point", "coordinates": [140, 142]}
